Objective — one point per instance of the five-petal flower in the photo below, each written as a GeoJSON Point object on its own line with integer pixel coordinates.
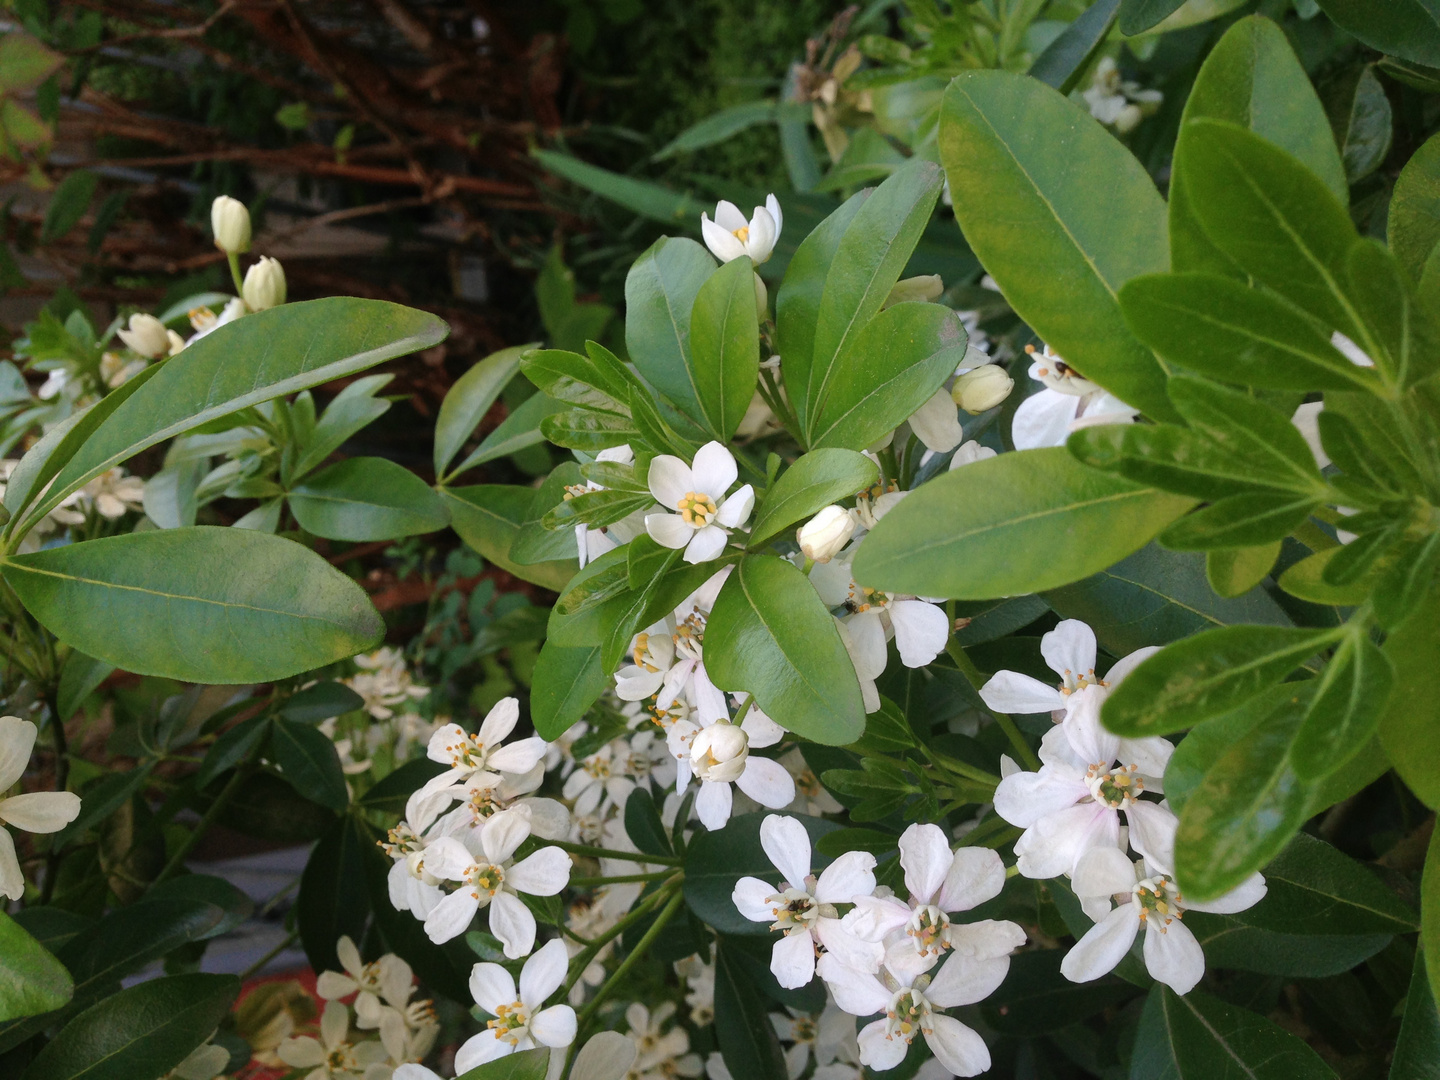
{"type": "Point", "coordinates": [698, 511]}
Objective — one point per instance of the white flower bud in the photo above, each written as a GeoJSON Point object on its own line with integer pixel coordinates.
{"type": "Point", "coordinates": [176, 341]}
{"type": "Point", "coordinates": [918, 289]}
{"type": "Point", "coordinates": [718, 753]}
{"type": "Point", "coordinates": [982, 388]}
{"type": "Point", "coordinates": [230, 222]}
{"type": "Point", "coordinates": [264, 285]}
{"type": "Point", "coordinates": [146, 336]}
{"type": "Point", "coordinates": [822, 537]}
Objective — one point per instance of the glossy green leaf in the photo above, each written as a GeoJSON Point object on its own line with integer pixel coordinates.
{"type": "Point", "coordinates": [80, 676]}
{"type": "Point", "coordinates": [816, 480]}
{"type": "Point", "coordinates": [1306, 579]}
{"type": "Point", "coordinates": [262, 356]}
{"type": "Point", "coordinates": [1363, 123]}
{"type": "Point", "coordinates": [743, 1029]}
{"type": "Point", "coordinates": [145, 1030]}
{"type": "Point", "coordinates": [1137, 16]}
{"type": "Point", "coordinates": [207, 889]}
{"type": "Point", "coordinates": [581, 429]}
{"type": "Point", "coordinates": [1177, 459]}
{"type": "Point", "coordinates": [307, 759]}
{"type": "Point", "coordinates": [517, 431]}
{"type": "Point", "coordinates": [31, 979]}
{"type": "Point", "coordinates": [467, 402]}
{"type": "Point", "coordinates": [1235, 571]}
{"type": "Point", "coordinates": [488, 517]}
{"type": "Point", "coordinates": [643, 824]}
{"type": "Point", "coordinates": [566, 682]}
{"type": "Point", "coordinates": [1246, 809]}
{"type": "Point", "coordinates": [1413, 229]}
{"type": "Point", "coordinates": [770, 635]}
{"type": "Point", "coordinates": [367, 498]}
{"type": "Point", "coordinates": [1404, 341]}
{"type": "Point", "coordinates": [1417, 1049]}
{"type": "Point", "coordinates": [660, 293]}
{"type": "Point", "coordinates": [1035, 998]}
{"type": "Point", "coordinates": [577, 380]}
{"type": "Point", "coordinates": [1201, 1036]}
{"type": "Point", "coordinates": [1349, 700]}
{"type": "Point", "coordinates": [1221, 328]}
{"type": "Point", "coordinates": [103, 798]}
{"type": "Point", "coordinates": [537, 542]}
{"type": "Point", "coordinates": [888, 370]}
{"type": "Point", "coordinates": [349, 411]}
{"type": "Point", "coordinates": [647, 199]}
{"type": "Point", "coordinates": [1066, 58]}
{"type": "Point", "coordinates": [725, 347]}
{"type": "Point", "coordinates": [1204, 745]}
{"type": "Point", "coordinates": [1410, 726]}
{"type": "Point", "coordinates": [1234, 945]}
{"type": "Point", "coordinates": [1207, 675]}
{"type": "Point", "coordinates": [1024, 161]}
{"type": "Point", "coordinates": [717, 127]}
{"type": "Point", "coordinates": [1252, 78]}
{"type": "Point", "coordinates": [1409, 29]}
{"type": "Point", "coordinates": [1012, 524]}
{"type": "Point", "coordinates": [333, 901]}
{"type": "Point", "coordinates": [523, 1065]}
{"type": "Point", "coordinates": [202, 604]}
{"type": "Point", "coordinates": [1250, 430]}
{"type": "Point", "coordinates": [1244, 520]}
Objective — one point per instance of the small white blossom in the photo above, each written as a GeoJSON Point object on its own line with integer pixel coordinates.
{"type": "Point", "coordinates": [521, 1020]}
{"type": "Point", "coordinates": [1068, 403]}
{"type": "Point", "coordinates": [37, 812]}
{"type": "Point", "coordinates": [230, 222]}
{"type": "Point", "coordinates": [146, 336]}
{"type": "Point", "coordinates": [730, 235]}
{"type": "Point", "coordinates": [718, 754]}
{"type": "Point", "coordinates": [700, 513]}
{"type": "Point", "coordinates": [264, 284]}
{"type": "Point", "coordinates": [1117, 102]}
{"type": "Point", "coordinates": [334, 1056]}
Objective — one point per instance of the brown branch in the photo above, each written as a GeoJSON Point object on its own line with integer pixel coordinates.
{"type": "Point", "coordinates": [145, 35]}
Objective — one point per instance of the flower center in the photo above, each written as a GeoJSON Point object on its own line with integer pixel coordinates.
{"type": "Point", "coordinates": [1116, 788]}
{"type": "Point", "coordinates": [485, 878]}
{"type": "Point", "coordinates": [1074, 683]}
{"type": "Point", "coordinates": [864, 598]}
{"type": "Point", "coordinates": [1159, 901]}
{"type": "Point", "coordinates": [483, 803]}
{"type": "Point", "coordinates": [341, 1059]}
{"type": "Point", "coordinates": [468, 753]}
{"type": "Point", "coordinates": [696, 508]}
{"type": "Point", "coordinates": [598, 767]}
{"type": "Point", "coordinates": [742, 234]}
{"type": "Point", "coordinates": [929, 926]}
{"type": "Point", "coordinates": [400, 842]}
{"type": "Point", "coordinates": [794, 909]}
{"type": "Point", "coordinates": [644, 657]}
{"type": "Point", "coordinates": [511, 1024]}
{"type": "Point", "coordinates": [370, 977]}
{"type": "Point", "coordinates": [908, 1014]}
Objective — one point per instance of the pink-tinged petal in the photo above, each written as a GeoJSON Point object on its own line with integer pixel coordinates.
{"type": "Point", "coordinates": [1103, 946]}
{"type": "Point", "coordinates": [849, 876]}
{"type": "Point", "coordinates": [767, 782]}
{"type": "Point", "coordinates": [735, 510]}
{"type": "Point", "coordinates": [1103, 872]}
{"type": "Point", "coordinates": [958, 1048]}
{"type": "Point", "coordinates": [451, 917]}
{"type": "Point", "coordinates": [1152, 833]}
{"type": "Point", "coordinates": [554, 1027]}
{"type": "Point", "coordinates": [875, 917]}
{"type": "Point", "coordinates": [787, 846]}
{"type": "Point", "coordinates": [512, 922]}
{"type": "Point", "coordinates": [866, 956]}
{"type": "Point", "coordinates": [1245, 895]}
{"type": "Point", "coordinates": [1012, 692]}
{"type": "Point", "coordinates": [705, 544]}
{"type": "Point", "coordinates": [1051, 846]}
{"type": "Point", "coordinates": [712, 805]}
{"type": "Point", "coordinates": [854, 991]}
{"type": "Point", "coordinates": [1173, 956]}
{"type": "Point", "coordinates": [669, 530]}
{"type": "Point", "coordinates": [40, 811]}
{"type": "Point", "coordinates": [921, 631]}
{"type": "Point", "coordinates": [1127, 664]}
{"type": "Point", "coordinates": [977, 965]}
{"type": "Point", "coordinates": [925, 857]}
{"type": "Point", "coordinates": [714, 470]}
{"type": "Point", "coordinates": [1069, 650]}
{"type": "Point", "coordinates": [879, 1051]}
{"type": "Point", "coordinates": [519, 757]}
{"type": "Point", "coordinates": [750, 899]}
{"type": "Point", "coordinates": [543, 973]}
{"type": "Point", "coordinates": [543, 873]}
{"type": "Point", "coordinates": [479, 1049]}
{"type": "Point", "coordinates": [17, 740]}
{"type": "Point", "coordinates": [792, 961]}
{"type": "Point", "coordinates": [1024, 798]}
{"type": "Point", "coordinates": [670, 480]}
{"type": "Point", "coordinates": [499, 722]}
{"type": "Point", "coordinates": [1043, 419]}
{"type": "Point", "coordinates": [976, 875]}
{"type": "Point", "coordinates": [504, 832]}
{"type": "Point", "coordinates": [491, 986]}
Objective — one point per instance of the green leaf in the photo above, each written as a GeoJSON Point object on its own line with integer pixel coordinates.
{"type": "Point", "coordinates": [565, 683]}
{"type": "Point", "coordinates": [350, 410]}
{"type": "Point", "coordinates": [715, 861]}
{"type": "Point", "coordinates": [581, 429]}
{"type": "Point", "coordinates": [488, 517]}
{"type": "Point", "coordinates": [80, 676]}
{"type": "Point", "coordinates": [1025, 161]}
{"type": "Point", "coordinates": [1417, 1050]}
{"type": "Point", "coordinates": [1137, 16]}
{"type": "Point", "coordinates": [1231, 944]}
{"type": "Point", "coordinates": [1404, 341]}
{"type": "Point", "coordinates": [517, 431]}
{"type": "Point", "coordinates": [205, 889]}
{"type": "Point", "coordinates": [1430, 913]}
{"type": "Point", "coordinates": [1066, 58]}
{"type": "Point", "coordinates": [1221, 328]}
{"type": "Point", "coordinates": [660, 293]}
{"type": "Point", "coordinates": [717, 127]}
{"type": "Point", "coordinates": [1410, 726]}
{"type": "Point", "coordinates": [1252, 78]}
{"type": "Point", "coordinates": [1035, 999]}
{"type": "Point", "coordinates": [1235, 571]}
{"type": "Point", "coordinates": [1409, 29]}
{"type": "Point", "coordinates": [367, 498]}
{"type": "Point", "coordinates": [1249, 430]}
{"type": "Point", "coordinates": [1349, 701]}
{"type": "Point", "coordinates": [578, 380]}
{"type": "Point", "coordinates": [743, 1030]}
{"type": "Point", "coordinates": [266, 355]}
{"type": "Point", "coordinates": [869, 258]}
{"type": "Point", "coordinates": [887, 371]}
{"type": "Point", "coordinates": [1306, 579]}
{"type": "Point", "coordinates": [390, 794]}
{"type": "Point", "coordinates": [1413, 229]}
{"type": "Point", "coordinates": [770, 635]}
{"type": "Point", "coordinates": [1258, 517]}
{"type": "Point", "coordinates": [643, 824]}
{"type": "Point", "coordinates": [1363, 124]}
{"type": "Point", "coordinates": [103, 798]}
{"type": "Point", "coordinates": [1016, 523]}
{"type": "Point", "coordinates": [31, 979]}
{"type": "Point", "coordinates": [307, 759]}
{"type": "Point", "coordinates": [467, 402]}
{"type": "Point", "coordinates": [537, 542]}
{"type": "Point", "coordinates": [1204, 745]}
{"type": "Point", "coordinates": [68, 203]}
{"type": "Point", "coordinates": [524, 1065]}
{"type": "Point", "coordinates": [1207, 675]}
{"type": "Point", "coordinates": [320, 702]}
{"type": "Point", "coordinates": [1201, 1036]}
{"type": "Point", "coordinates": [725, 347]}
{"type": "Point", "coordinates": [333, 900]}
{"type": "Point", "coordinates": [24, 62]}
{"type": "Point", "coordinates": [201, 604]}
{"type": "Point", "coordinates": [644, 198]}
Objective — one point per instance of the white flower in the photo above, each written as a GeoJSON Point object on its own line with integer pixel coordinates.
{"type": "Point", "coordinates": [659, 1054]}
{"type": "Point", "coordinates": [146, 336]}
{"type": "Point", "coordinates": [701, 512]}
{"type": "Point", "coordinates": [412, 888]}
{"type": "Point", "coordinates": [592, 543]}
{"type": "Point", "coordinates": [230, 222]}
{"type": "Point", "coordinates": [53, 384]}
{"type": "Point", "coordinates": [969, 453]}
{"type": "Point", "coordinates": [116, 371]}
{"type": "Point", "coordinates": [824, 535]}
{"type": "Point", "coordinates": [937, 423]}
{"type": "Point", "coordinates": [521, 1020]}
{"type": "Point", "coordinates": [1172, 955]}
{"type": "Point", "coordinates": [920, 628]}
{"type": "Point", "coordinates": [698, 974]}
{"type": "Point", "coordinates": [723, 757]}
{"type": "Point", "coordinates": [113, 493]}
{"type": "Point", "coordinates": [918, 934]}
{"type": "Point", "coordinates": [488, 878]}
{"type": "Point", "coordinates": [38, 812]}
{"type": "Point", "coordinates": [384, 681]}
{"type": "Point", "coordinates": [470, 756]}
{"type": "Point", "coordinates": [205, 321]}
{"type": "Point", "coordinates": [205, 1062]}
{"type": "Point", "coordinates": [1067, 403]}
{"type": "Point", "coordinates": [669, 662]}
{"type": "Point", "coordinates": [803, 907]}
{"type": "Point", "coordinates": [1116, 102]}
{"type": "Point", "coordinates": [981, 388]}
{"type": "Point", "coordinates": [830, 1039]}
{"type": "Point", "coordinates": [333, 1056]}
{"type": "Point", "coordinates": [389, 978]}
{"type": "Point", "coordinates": [730, 236]}
{"type": "Point", "coordinates": [811, 798]}
{"type": "Point", "coordinates": [608, 1055]}
{"type": "Point", "coordinates": [264, 284]}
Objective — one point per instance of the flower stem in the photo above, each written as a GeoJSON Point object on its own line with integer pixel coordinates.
{"type": "Point", "coordinates": [222, 800]}
{"type": "Point", "coordinates": [235, 272]}
{"type": "Point", "coordinates": [606, 853]}
{"type": "Point", "coordinates": [593, 947]}
{"type": "Point", "coordinates": [591, 882]}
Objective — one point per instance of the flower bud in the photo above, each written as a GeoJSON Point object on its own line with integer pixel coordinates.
{"type": "Point", "coordinates": [982, 388]}
{"type": "Point", "coordinates": [230, 222]}
{"type": "Point", "coordinates": [146, 336]}
{"type": "Point", "coordinates": [822, 537]}
{"type": "Point", "coordinates": [915, 290]}
{"type": "Point", "coordinates": [264, 285]}
{"type": "Point", "coordinates": [176, 341]}
{"type": "Point", "coordinates": [718, 753]}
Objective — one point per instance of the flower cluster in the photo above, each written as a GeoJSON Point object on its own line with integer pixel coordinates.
{"type": "Point", "coordinates": [389, 730]}
{"type": "Point", "coordinates": [35, 812]}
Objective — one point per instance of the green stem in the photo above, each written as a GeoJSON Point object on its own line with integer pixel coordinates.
{"type": "Point", "coordinates": [977, 679]}
{"type": "Point", "coordinates": [593, 947]}
{"type": "Point", "coordinates": [744, 708]}
{"type": "Point", "coordinates": [259, 965]}
{"type": "Point", "coordinates": [222, 800]}
{"type": "Point", "coordinates": [592, 882]}
{"type": "Point", "coordinates": [235, 272]}
{"type": "Point", "coordinates": [606, 853]}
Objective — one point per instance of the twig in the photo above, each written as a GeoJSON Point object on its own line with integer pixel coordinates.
{"type": "Point", "coordinates": [176, 32]}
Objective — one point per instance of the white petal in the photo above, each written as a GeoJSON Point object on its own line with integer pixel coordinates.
{"type": "Point", "coordinates": [448, 859]}
{"type": "Point", "coordinates": [334, 1024]}
{"type": "Point", "coordinates": [921, 631]}
{"type": "Point", "coordinates": [925, 857]}
{"type": "Point", "coordinates": [479, 1049]}
{"type": "Point", "coordinates": [635, 683]}
{"type": "Point", "coordinates": [499, 722]}
{"type": "Point", "coordinates": [710, 700]}
{"type": "Point", "coordinates": [12, 880]}
{"type": "Point", "coordinates": [554, 1027]}
{"type": "Point", "coordinates": [543, 973]}
{"type": "Point", "coordinates": [714, 470]}
{"type": "Point", "coordinates": [1092, 741]}
{"type": "Point", "coordinates": [857, 993]}
{"type": "Point", "coordinates": [957, 1047]}
{"type": "Point", "coordinates": [1012, 692]}
{"type": "Point", "coordinates": [838, 941]}
{"type": "Point", "coordinates": [1173, 956]}
{"type": "Point", "coordinates": [787, 846]}
{"type": "Point", "coordinates": [512, 922]}
{"type": "Point", "coordinates": [17, 740]}
{"type": "Point", "coordinates": [704, 544]}
{"type": "Point", "coordinates": [331, 985]}
{"type": "Point", "coordinates": [832, 580]}
{"type": "Point", "coordinates": [750, 897]}
{"type": "Point", "coordinates": [976, 875]}
{"type": "Point", "coordinates": [519, 757]}
{"type": "Point", "coordinates": [505, 832]}
{"type": "Point", "coordinates": [1069, 649]}
{"type": "Point", "coordinates": [451, 916]}
{"type": "Point", "coordinates": [1245, 895]}
{"type": "Point", "coordinates": [301, 1053]}
{"type": "Point", "coordinates": [875, 917]}
{"type": "Point", "coordinates": [767, 782]}
{"type": "Point", "coordinates": [1043, 419]}
{"type": "Point", "coordinates": [1103, 946]}
{"type": "Point", "coordinates": [446, 736]}
{"type": "Point", "coordinates": [712, 805]}
{"type": "Point", "coordinates": [760, 729]}
{"type": "Point", "coordinates": [735, 510]}
{"type": "Point", "coordinates": [792, 961]}
{"type": "Point", "coordinates": [1152, 833]}
{"type": "Point", "coordinates": [1023, 798]}
{"type": "Point", "coordinates": [543, 873]}
{"type": "Point", "coordinates": [1151, 755]}
{"type": "Point", "coordinates": [1052, 845]}
{"type": "Point", "coordinates": [670, 480]}
{"type": "Point", "coordinates": [1129, 663]}
{"type": "Point", "coordinates": [723, 244]}
{"type": "Point", "coordinates": [607, 1055]}
{"type": "Point", "coordinates": [867, 644]}
{"type": "Point", "coordinates": [491, 986]}
{"type": "Point", "coordinates": [1102, 872]}
{"type": "Point", "coordinates": [849, 876]}
{"type": "Point", "coordinates": [40, 811]}
{"type": "Point", "coordinates": [669, 530]}
{"type": "Point", "coordinates": [729, 216]}
{"type": "Point", "coordinates": [937, 423]}
{"type": "Point", "coordinates": [761, 241]}
{"type": "Point", "coordinates": [772, 204]}
{"type": "Point", "coordinates": [878, 1051]}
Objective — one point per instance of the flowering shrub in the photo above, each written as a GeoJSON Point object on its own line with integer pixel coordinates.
{"type": "Point", "coordinates": [886, 698]}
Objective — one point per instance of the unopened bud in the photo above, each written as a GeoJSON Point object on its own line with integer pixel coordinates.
{"type": "Point", "coordinates": [982, 388]}
{"type": "Point", "coordinates": [824, 535]}
{"type": "Point", "coordinates": [146, 336]}
{"type": "Point", "coordinates": [762, 298]}
{"type": "Point", "coordinates": [176, 341]}
{"type": "Point", "coordinates": [919, 289]}
{"type": "Point", "coordinates": [230, 222]}
{"type": "Point", "coordinates": [718, 753]}
{"type": "Point", "coordinates": [264, 285]}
